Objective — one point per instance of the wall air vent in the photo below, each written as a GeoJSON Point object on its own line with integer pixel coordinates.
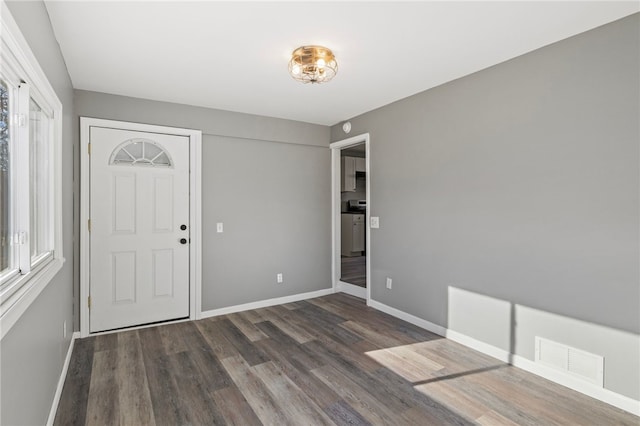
{"type": "Point", "coordinates": [571, 361]}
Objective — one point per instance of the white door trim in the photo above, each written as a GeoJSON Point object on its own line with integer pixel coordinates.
{"type": "Point", "coordinates": [195, 217]}
{"type": "Point", "coordinates": [336, 265]}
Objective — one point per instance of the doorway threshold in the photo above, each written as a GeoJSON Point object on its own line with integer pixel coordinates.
{"type": "Point", "coordinates": [351, 289]}
{"type": "Point", "coordinates": [139, 326]}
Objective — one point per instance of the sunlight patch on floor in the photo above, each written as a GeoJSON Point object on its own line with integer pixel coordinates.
{"type": "Point", "coordinates": [406, 362]}
{"type": "Point", "coordinates": [431, 373]}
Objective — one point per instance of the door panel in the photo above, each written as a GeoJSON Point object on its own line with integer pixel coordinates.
{"type": "Point", "coordinates": [123, 277]}
{"type": "Point", "coordinates": [162, 203]}
{"type": "Point", "coordinates": [124, 203]}
{"type": "Point", "coordinates": [162, 273]}
{"type": "Point", "coordinates": [139, 198]}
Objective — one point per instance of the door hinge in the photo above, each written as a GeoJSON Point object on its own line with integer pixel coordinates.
{"type": "Point", "coordinates": [20, 238]}
{"type": "Point", "coordinates": [20, 120]}
{"type": "Point", "coordinates": [89, 224]}
{"type": "Point", "coordinates": [89, 302]}
{"type": "Point", "coordinates": [89, 148]}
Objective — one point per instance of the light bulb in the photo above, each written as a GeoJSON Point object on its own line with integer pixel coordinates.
{"type": "Point", "coordinates": [296, 69]}
{"type": "Point", "coordinates": [321, 63]}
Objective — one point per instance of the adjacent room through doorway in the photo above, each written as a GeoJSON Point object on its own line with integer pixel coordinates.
{"type": "Point", "coordinates": [351, 206]}
{"type": "Point", "coordinates": [353, 213]}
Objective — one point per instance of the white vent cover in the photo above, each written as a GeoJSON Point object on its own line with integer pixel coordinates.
{"type": "Point", "coordinates": [572, 361]}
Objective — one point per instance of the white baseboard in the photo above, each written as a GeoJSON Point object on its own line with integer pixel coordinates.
{"type": "Point", "coordinates": [605, 395]}
{"type": "Point", "coordinates": [265, 303]}
{"type": "Point", "coordinates": [429, 326]}
{"type": "Point", "coordinates": [480, 346]}
{"type": "Point", "coordinates": [63, 376]}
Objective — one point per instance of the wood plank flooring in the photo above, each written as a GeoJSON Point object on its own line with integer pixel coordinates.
{"type": "Point", "coordinates": [354, 270]}
{"type": "Point", "coordinates": [324, 361]}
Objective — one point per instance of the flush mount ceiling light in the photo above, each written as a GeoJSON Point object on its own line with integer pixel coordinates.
{"type": "Point", "coordinates": [313, 64]}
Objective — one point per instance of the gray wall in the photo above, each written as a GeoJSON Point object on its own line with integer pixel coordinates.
{"type": "Point", "coordinates": [519, 182]}
{"type": "Point", "coordinates": [274, 201]}
{"type": "Point", "coordinates": [32, 353]}
{"type": "Point", "coordinates": [268, 181]}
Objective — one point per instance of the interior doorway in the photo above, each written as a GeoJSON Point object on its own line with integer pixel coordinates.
{"type": "Point", "coordinates": [351, 205]}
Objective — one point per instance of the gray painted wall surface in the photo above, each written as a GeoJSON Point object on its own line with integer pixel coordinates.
{"type": "Point", "coordinates": [275, 202]}
{"type": "Point", "coordinates": [268, 181]}
{"type": "Point", "coordinates": [32, 353]}
{"type": "Point", "coordinates": [519, 182]}
{"type": "Point", "coordinates": [210, 121]}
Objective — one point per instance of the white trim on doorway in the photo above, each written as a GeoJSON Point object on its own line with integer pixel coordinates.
{"type": "Point", "coordinates": [336, 266]}
{"type": "Point", "coordinates": [195, 216]}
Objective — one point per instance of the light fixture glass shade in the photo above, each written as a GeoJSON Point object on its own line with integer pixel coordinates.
{"type": "Point", "coordinates": [313, 64]}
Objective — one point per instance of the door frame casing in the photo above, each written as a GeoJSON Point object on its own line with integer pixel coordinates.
{"type": "Point", "coordinates": [195, 216]}
{"type": "Point", "coordinates": [336, 237]}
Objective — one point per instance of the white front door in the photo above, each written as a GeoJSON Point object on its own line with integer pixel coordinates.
{"type": "Point", "coordinates": [139, 228]}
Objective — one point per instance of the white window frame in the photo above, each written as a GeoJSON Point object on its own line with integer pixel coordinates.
{"type": "Point", "coordinates": [17, 61]}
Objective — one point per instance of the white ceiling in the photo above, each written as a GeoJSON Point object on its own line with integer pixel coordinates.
{"type": "Point", "coordinates": [233, 55]}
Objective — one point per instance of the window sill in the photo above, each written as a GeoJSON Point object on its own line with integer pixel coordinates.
{"type": "Point", "coordinates": [16, 305]}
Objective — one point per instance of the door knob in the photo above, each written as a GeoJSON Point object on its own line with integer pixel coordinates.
{"type": "Point", "coordinates": [183, 227]}
{"type": "Point", "coordinates": [183, 241]}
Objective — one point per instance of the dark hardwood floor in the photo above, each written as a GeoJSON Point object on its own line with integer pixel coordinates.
{"type": "Point", "coordinates": [330, 360]}
{"type": "Point", "coordinates": [354, 270]}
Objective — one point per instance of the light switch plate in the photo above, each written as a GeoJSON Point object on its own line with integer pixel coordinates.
{"type": "Point", "coordinates": [219, 227]}
{"type": "Point", "coordinates": [375, 222]}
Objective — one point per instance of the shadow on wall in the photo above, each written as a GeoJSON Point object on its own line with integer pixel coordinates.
{"type": "Point", "coordinates": [571, 347]}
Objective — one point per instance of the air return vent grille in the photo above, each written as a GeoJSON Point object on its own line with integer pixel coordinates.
{"type": "Point", "coordinates": [571, 361]}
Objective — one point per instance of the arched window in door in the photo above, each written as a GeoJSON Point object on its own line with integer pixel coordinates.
{"type": "Point", "coordinates": [140, 152]}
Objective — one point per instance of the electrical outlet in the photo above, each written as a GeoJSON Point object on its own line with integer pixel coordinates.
{"type": "Point", "coordinates": [389, 283]}
{"type": "Point", "coordinates": [64, 330]}
{"type": "Point", "coordinates": [219, 227]}
{"type": "Point", "coordinates": [279, 278]}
